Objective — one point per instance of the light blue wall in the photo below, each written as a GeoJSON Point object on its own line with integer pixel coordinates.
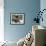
{"type": "Point", "coordinates": [29, 7]}
{"type": "Point", "coordinates": [43, 6]}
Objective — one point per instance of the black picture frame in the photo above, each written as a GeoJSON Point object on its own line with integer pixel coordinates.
{"type": "Point", "coordinates": [17, 18]}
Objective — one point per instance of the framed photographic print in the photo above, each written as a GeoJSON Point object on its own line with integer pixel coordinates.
{"type": "Point", "coordinates": [17, 18]}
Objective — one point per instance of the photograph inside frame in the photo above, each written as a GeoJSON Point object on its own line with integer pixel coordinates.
{"type": "Point", "coordinates": [17, 18]}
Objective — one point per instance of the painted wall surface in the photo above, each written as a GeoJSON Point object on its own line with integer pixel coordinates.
{"type": "Point", "coordinates": [29, 7]}
{"type": "Point", "coordinates": [43, 6]}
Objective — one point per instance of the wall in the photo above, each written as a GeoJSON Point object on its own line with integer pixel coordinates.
{"type": "Point", "coordinates": [43, 6]}
{"type": "Point", "coordinates": [1, 21]}
{"type": "Point", "coordinates": [29, 7]}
